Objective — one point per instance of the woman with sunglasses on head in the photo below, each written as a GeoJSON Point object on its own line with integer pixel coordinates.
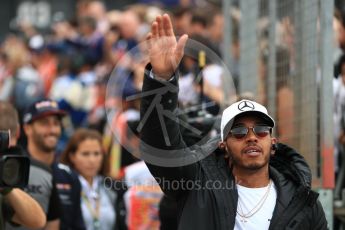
{"type": "Point", "coordinates": [265, 185]}
{"type": "Point", "coordinates": [85, 155]}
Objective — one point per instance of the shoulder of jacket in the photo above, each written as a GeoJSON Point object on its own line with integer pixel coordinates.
{"type": "Point", "coordinates": [64, 168]}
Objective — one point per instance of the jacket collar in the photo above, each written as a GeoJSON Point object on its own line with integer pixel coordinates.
{"type": "Point", "coordinates": [285, 189]}
{"type": "Point", "coordinates": [291, 165]}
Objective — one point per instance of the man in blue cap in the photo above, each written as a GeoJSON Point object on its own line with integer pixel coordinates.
{"type": "Point", "coordinates": [42, 126]}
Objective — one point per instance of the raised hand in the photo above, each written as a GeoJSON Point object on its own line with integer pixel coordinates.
{"type": "Point", "coordinates": [165, 53]}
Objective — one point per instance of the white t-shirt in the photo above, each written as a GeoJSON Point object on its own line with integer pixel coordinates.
{"type": "Point", "coordinates": [90, 195]}
{"type": "Point", "coordinates": [248, 198]}
{"type": "Point", "coordinates": [213, 74]}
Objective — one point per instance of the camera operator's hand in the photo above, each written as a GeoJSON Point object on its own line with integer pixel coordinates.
{"type": "Point", "coordinates": [164, 52]}
{"type": "Point", "coordinates": [27, 212]}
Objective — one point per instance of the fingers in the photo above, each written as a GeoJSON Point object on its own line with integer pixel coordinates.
{"type": "Point", "coordinates": [161, 30]}
{"type": "Point", "coordinates": [154, 30]}
{"type": "Point", "coordinates": [167, 25]}
{"type": "Point", "coordinates": [180, 45]}
{"type": "Point", "coordinates": [162, 26]}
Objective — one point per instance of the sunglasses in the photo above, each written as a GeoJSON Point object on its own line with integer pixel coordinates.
{"type": "Point", "coordinates": [259, 131]}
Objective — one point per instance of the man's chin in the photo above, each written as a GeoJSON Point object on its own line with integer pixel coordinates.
{"type": "Point", "coordinates": [255, 167]}
{"type": "Point", "coordinates": [49, 148]}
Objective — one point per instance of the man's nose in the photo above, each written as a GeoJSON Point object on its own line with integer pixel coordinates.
{"type": "Point", "coordinates": [53, 128]}
{"type": "Point", "coordinates": [251, 135]}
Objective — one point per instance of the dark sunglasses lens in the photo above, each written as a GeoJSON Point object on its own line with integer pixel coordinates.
{"type": "Point", "coordinates": [262, 131]}
{"type": "Point", "coordinates": [239, 132]}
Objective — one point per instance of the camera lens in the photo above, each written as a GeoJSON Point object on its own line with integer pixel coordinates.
{"type": "Point", "coordinates": [11, 170]}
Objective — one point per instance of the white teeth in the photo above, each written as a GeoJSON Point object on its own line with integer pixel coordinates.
{"type": "Point", "coordinates": [252, 151]}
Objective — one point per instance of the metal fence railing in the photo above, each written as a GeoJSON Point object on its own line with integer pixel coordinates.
{"type": "Point", "coordinates": [285, 62]}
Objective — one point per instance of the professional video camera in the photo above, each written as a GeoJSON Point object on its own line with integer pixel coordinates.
{"type": "Point", "coordinates": [14, 166]}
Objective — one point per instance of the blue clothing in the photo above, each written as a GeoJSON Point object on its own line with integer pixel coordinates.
{"type": "Point", "coordinates": [75, 96]}
{"type": "Point", "coordinates": [69, 189]}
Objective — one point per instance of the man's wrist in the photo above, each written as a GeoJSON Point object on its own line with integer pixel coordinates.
{"type": "Point", "coordinates": [153, 76]}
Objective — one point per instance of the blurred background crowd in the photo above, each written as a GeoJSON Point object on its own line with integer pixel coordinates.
{"type": "Point", "coordinates": [88, 56]}
{"type": "Point", "coordinates": [90, 61]}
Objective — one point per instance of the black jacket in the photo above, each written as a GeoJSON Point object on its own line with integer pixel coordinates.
{"type": "Point", "coordinates": [205, 191]}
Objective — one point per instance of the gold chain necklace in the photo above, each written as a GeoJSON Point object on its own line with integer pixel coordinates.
{"type": "Point", "coordinates": [258, 206]}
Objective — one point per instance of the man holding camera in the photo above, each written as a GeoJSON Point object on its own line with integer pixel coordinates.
{"type": "Point", "coordinates": [47, 180]}
{"type": "Point", "coordinates": [41, 184]}
{"type": "Point", "coordinates": [17, 206]}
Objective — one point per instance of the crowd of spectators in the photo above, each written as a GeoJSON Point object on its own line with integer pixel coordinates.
{"type": "Point", "coordinates": [89, 65]}
{"type": "Point", "coordinates": [93, 63]}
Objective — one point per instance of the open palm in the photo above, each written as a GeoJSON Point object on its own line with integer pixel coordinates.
{"type": "Point", "coordinates": [165, 52]}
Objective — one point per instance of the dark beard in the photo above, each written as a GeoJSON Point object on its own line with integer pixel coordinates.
{"type": "Point", "coordinates": [255, 167]}
{"type": "Point", "coordinates": [40, 144]}
{"type": "Point", "coordinates": [251, 167]}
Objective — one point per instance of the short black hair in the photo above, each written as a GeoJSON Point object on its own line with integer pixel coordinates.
{"type": "Point", "coordinates": [180, 11]}
{"type": "Point", "coordinates": [198, 18]}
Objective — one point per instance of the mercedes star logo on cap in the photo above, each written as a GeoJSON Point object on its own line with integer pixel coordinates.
{"type": "Point", "coordinates": [246, 106]}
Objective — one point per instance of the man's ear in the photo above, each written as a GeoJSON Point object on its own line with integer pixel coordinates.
{"type": "Point", "coordinates": [222, 145]}
{"type": "Point", "coordinates": [27, 129]}
{"type": "Point", "coordinates": [227, 154]}
{"type": "Point", "coordinates": [274, 142]}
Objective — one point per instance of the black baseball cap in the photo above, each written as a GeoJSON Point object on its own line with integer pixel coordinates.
{"type": "Point", "coordinates": [42, 108]}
